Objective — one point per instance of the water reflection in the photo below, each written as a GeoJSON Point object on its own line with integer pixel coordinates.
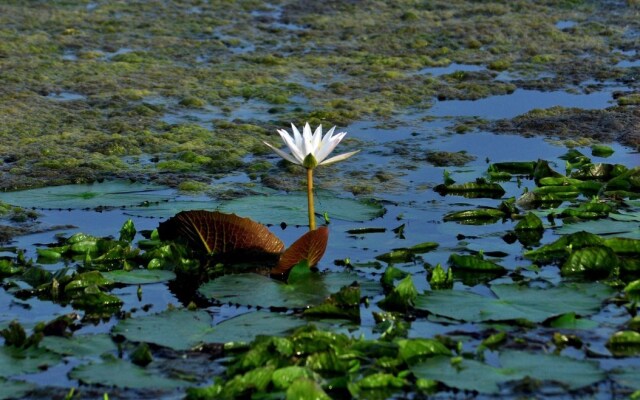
{"type": "Point", "coordinates": [520, 102]}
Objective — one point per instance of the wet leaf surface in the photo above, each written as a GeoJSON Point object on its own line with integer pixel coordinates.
{"type": "Point", "coordinates": [514, 366]}
{"type": "Point", "coordinates": [183, 329]}
{"type": "Point", "coordinates": [258, 290]}
{"type": "Point", "coordinates": [123, 374]}
{"type": "Point", "coordinates": [11, 389]}
{"type": "Point", "coordinates": [139, 276]}
{"type": "Point", "coordinates": [17, 361]}
{"type": "Point", "coordinates": [291, 208]}
{"type": "Point", "coordinates": [515, 302]}
{"type": "Point", "coordinates": [81, 345]}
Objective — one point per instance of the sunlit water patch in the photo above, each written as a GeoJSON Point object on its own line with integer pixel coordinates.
{"type": "Point", "coordinates": [628, 64]}
{"type": "Point", "coordinates": [450, 69]}
{"type": "Point", "coordinates": [520, 102]}
{"type": "Point", "coordinates": [66, 96]}
{"type": "Point", "coordinates": [565, 24]}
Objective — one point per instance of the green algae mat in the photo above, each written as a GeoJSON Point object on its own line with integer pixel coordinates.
{"type": "Point", "coordinates": [483, 243]}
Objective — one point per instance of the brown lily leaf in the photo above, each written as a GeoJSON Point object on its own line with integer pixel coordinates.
{"type": "Point", "coordinates": [309, 247]}
{"type": "Point", "coordinates": [227, 235]}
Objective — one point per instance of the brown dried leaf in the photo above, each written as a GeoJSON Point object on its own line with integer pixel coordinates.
{"type": "Point", "coordinates": [217, 233]}
{"type": "Point", "coordinates": [310, 247]}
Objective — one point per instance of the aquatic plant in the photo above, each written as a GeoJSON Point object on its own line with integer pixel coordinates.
{"type": "Point", "coordinates": [311, 150]}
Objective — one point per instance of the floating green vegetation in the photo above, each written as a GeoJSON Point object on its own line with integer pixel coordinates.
{"type": "Point", "coordinates": [93, 91]}
{"type": "Point", "coordinates": [91, 84]}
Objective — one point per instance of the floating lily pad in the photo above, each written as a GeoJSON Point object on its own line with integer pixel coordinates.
{"type": "Point", "coordinates": [106, 194]}
{"type": "Point", "coordinates": [291, 208]}
{"type": "Point", "coordinates": [472, 190]}
{"type": "Point", "coordinates": [258, 290]}
{"type": "Point", "coordinates": [482, 216]}
{"type": "Point", "coordinates": [80, 346]}
{"type": "Point", "coordinates": [177, 329]}
{"type": "Point", "coordinates": [514, 365]}
{"type": "Point", "coordinates": [246, 327]}
{"type": "Point", "coordinates": [627, 377]}
{"type": "Point", "coordinates": [571, 321]}
{"type": "Point", "coordinates": [624, 343]}
{"type": "Point", "coordinates": [122, 374]}
{"type": "Point", "coordinates": [139, 276]}
{"type": "Point", "coordinates": [593, 262]}
{"type": "Point", "coordinates": [406, 254]}
{"type": "Point", "coordinates": [166, 209]}
{"type": "Point", "coordinates": [475, 263]}
{"type": "Point", "coordinates": [10, 389]}
{"type": "Point", "coordinates": [183, 329]}
{"type": "Point", "coordinates": [603, 227]}
{"type": "Point", "coordinates": [515, 302]}
{"type": "Point", "coordinates": [17, 361]}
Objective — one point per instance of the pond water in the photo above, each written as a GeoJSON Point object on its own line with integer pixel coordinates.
{"type": "Point", "coordinates": [451, 68]}
{"type": "Point", "coordinates": [520, 102]}
{"type": "Point", "coordinates": [414, 214]}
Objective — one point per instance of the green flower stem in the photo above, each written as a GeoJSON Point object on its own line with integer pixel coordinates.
{"type": "Point", "coordinates": [312, 216]}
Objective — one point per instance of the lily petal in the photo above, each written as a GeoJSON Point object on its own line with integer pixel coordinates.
{"type": "Point", "coordinates": [298, 137]}
{"type": "Point", "coordinates": [308, 140]}
{"type": "Point", "coordinates": [339, 157]}
{"type": "Point", "coordinates": [328, 144]}
{"type": "Point", "coordinates": [283, 154]}
{"type": "Point", "coordinates": [295, 150]}
{"type": "Point", "coordinates": [310, 144]}
{"type": "Point", "coordinates": [317, 138]}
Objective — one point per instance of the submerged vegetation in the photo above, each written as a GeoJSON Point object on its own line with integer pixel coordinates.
{"type": "Point", "coordinates": [94, 90]}
{"type": "Point", "coordinates": [455, 260]}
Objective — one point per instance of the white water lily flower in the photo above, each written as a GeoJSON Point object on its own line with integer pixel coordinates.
{"type": "Point", "coordinates": [311, 150]}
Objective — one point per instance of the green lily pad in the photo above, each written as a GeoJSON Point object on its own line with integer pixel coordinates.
{"type": "Point", "coordinates": [627, 377]}
{"type": "Point", "coordinates": [258, 290]}
{"type": "Point", "coordinates": [601, 150]}
{"type": "Point", "coordinates": [406, 254]}
{"type": "Point", "coordinates": [514, 366]}
{"type": "Point", "coordinates": [602, 227]}
{"type": "Point", "coordinates": [244, 328]}
{"type": "Point", "coordinates": [80, 346]}
{"type": "Point", "coordinates": [514, 167]}
{"type": "Point", "coordinates": [106, 194]}
{"type": "Point", "coordinates": [183, 329]}
{"type": "Point", "coordinates": [177, 329]}
{"type": "Point", "coordinates": [571, 321]}
{"type": "Point", "coordinates": [515, 302]}
{"type": "Point", "coordinates": [472, 190]}
{"type": "Point", "coordinates": [122, 374]}
{"type": "Point", "coordinates": [475, 263]}
{"type": "Point", "coordinates": [292, 208]}
{"type": "Point", "coordinates": [17, 361]}
{"type": "Point", "coordinates": [343, 304]}
{"type": "Point", "coordinates": [624, 343]}
{"type": "Point", "coordinates": [529, 222]}
{"type": "Point", "coordinates": [561, 248]}
{"type": "Point", "coordinates": [139, 276]}
{"type": "Point", "coordinates": [482, 216]}
{"type": "Point", "coordinates": [170, 208]}
{"type": "Point", "coordinates": [593, 262]}
{"type": "Point", "coordinates": [10, 389]}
